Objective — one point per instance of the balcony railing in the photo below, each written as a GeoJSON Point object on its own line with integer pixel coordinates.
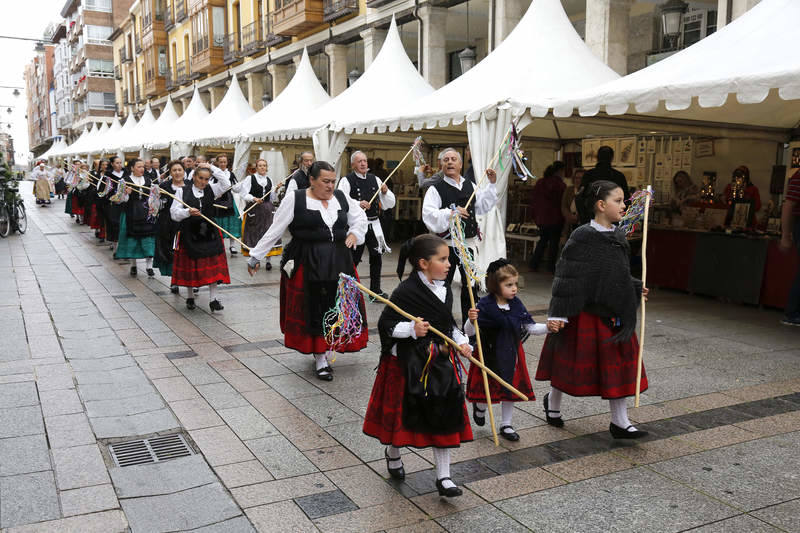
{"type": "Point", "coordinates": [181, 73]}
{"type": "Point", "coordinates": [138, 45]}
{"type": "Point", "coordinates": [293, 17]}
{"type": "Point", "coordinates": [125, 100]}
{"type": "Point", "coordinates": [270, 37]}
{"type": "Point", "coordinates": [200, 45]}
{"type": "Point", "coordinates": [117, 72]}
{"type": "Point", "coordinates": [180, 11]}
{"type": "Point", "coordinates": [252, 38]}
{"type": "Point", "coordinates": [170, 82]}
{"type": "Point", "coordinates": [334, 9]}
{"type": "Point", "coordinates": [378, 3]}
{"type": "Point", "coordinates": [138, 90]}
{"type": "Point", "coordinates": [230, 48]}
{"type": "Point", "coordinates": [124, 56]}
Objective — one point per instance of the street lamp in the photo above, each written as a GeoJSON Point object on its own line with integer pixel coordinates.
{"type": "Point", "coordinates": [671, 16]}
{"type": "Point", "coordinates": [353, 76]}
{"type": "Point", "coordinates": [467, 59]}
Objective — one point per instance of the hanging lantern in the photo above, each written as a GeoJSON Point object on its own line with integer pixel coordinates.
{"type": "Point", "coordinates": [353, 76]}
{"type": "Point", "coordinates": [467, 59]}
{"type": "Point", "coordinates": [671, 17]}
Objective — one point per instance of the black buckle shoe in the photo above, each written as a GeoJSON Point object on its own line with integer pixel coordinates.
{"type": "Point", "coordinates": [479, 420]}
{"type": "Point", "coordinates": [150, 273]}
{"type": "Point", "coordinates": [267, 266]}
{"type": "Point", "coordinates": [215, 306]}
{"type": "Point", "coordinates": [173, 289]}
{"type": "Point", "coordinates": [452, 492]}
{"type": "Point", "coordinates": [133, 272]}
{"type": "Point", "coordinates": [190, 304]}
{"type": "Point", "coordinates": [396, 473]}
{"type": "Point", "coordinates": [512, 435]}
{"type": "Point", "coordinates": [555, 421]}
{"type": "Point", "coordinates": [233, 251]}
{"type": "Point", "coordinates": [325, 374]}
{"type": "Point", "coordinates": [620, 433]}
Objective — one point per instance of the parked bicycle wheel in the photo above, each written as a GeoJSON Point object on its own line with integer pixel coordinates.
{"type": "Point", "coordinates": [5, 221]}
{"type": "Point", "coordinates": [22, 219]}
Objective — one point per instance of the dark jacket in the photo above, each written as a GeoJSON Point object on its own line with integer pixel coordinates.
{"type": "Point", "coordinates": [593, 275]}
{"type": "Point", "coordinates": [547, 195]}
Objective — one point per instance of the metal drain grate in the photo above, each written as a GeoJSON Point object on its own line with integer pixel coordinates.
{"type": "Point", "coordinates": [146, 451]}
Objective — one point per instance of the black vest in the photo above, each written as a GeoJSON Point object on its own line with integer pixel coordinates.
{"type": "Point", "coordinates": [200, 238]}
{"type": "Point", "coordinates": [225, 200]}
{"type": "Point", "coordinates": [301, 178]}
{"type": "Point", "coordinates": [137, 219]}
{"type": "Point", "coordinates": [308, 225]}
{"type": "Point", "coordinates": [256, 190]}
{"type": "Point", "coordinates": [450, 195]}
{"type": "Point", "coordinates": [364, 190]}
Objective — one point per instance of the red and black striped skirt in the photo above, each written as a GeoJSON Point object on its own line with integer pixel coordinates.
{"type": "Point", "coordinates": [582, 361]}
{"type": "Point", "coordinates": [297, 333]}
{"type": "Point", "coordinates": [189, 272]}
{"type": "Point", "coordinates": [521, 381]}
{"type": "Point", "coordinates": [77, 208]}
{"type": "Point", "coordinates": [384, 418]}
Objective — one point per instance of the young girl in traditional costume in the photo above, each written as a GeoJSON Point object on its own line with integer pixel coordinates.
{"type": "Point", "coordinates": [405, 410]}
{"type": "Point", "coordinates": [200, 257]}
{"type": "Point", "coordinates": [504, 323]}
{"type": "Point", "coordinates": [227, 214]}
{"type": "Point", "coordinates": [593, 310]}
{"type": "Point", "coordinates": [136, 229]}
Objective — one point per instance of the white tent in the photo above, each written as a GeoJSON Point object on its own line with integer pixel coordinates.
{"type": "Point", "coordinates": [76, 148]}
{"type": "Point", "coordinates": [224, 123]}
{"type": "Point", "coordinates": [191, 119]}
{"type": "Point", "coordinates": [55, 149]}
{"type": "Point", "coordinates": [89, 146]}
{"type": "Point", "coordinates": [544, 56]}
{"type": "Point", "coordinates": [132, 140]}
{"type": "Point", "coordinates": [749, 61]}
{"type": "Point", "coordinates": [101, 146]}
{"type": "Point", "coordinates": [390, 81]}
{"type": "Point", "coordinates": [111, 142]}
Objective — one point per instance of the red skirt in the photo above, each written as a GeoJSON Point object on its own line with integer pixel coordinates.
{"type": "Point", "coordinates": [293, 323]}
{"type": "Point", "coordinates": [521, 381]}
{"type": "Point", "coordinates": [93, 220]}
{"type": "Point", "coordinates": [189, 272]}
{"type": "Point", "coordinates": [581, 361]}
{"type": "Point", "coordinates": [77, 209]}
{"type": "Point", "coordinates": [384, 418]}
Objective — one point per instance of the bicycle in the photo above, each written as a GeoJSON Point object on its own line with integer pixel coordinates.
{"type": "Point", "coordinates": [12, 211]}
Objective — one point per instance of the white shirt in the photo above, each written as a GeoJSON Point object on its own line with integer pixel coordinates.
{"type": "Point", "coordinates": [404, 330]}
{"type": "Point", "coordinates": [243, 188]}
{"type": "Point", "coordinates": [387, 200]}
{"type": "Point", "coordinates": [437, 217]}
{"type": "Point", "coordinates": [356, 220]}
{"type": "Point", "coordinates": [178, 212]}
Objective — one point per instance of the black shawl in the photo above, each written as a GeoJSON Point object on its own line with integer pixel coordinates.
{"type": "Point", "coordinates": [437, 404]}
{"type": "Point", "coordinates": [593, 274]}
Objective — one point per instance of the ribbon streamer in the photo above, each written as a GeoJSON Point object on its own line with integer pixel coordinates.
{"type": "Point", "coordinates": [635, 212]}
{"type": "Point", "coordinates": [342, 324]}
{"type": "Point", "coordinates": [465, 254]}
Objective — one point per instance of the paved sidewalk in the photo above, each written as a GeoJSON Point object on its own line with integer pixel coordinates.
{"type": "Point", "coordinates": [90, 357]}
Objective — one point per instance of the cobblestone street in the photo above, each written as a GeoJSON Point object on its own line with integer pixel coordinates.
{"type": "Point", "coordinates": [90, 357]}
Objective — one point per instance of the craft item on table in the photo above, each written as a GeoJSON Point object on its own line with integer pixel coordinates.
{"type": "Point", "coordinates": [636, 210]}
{"type": "Point", "coordinates": [343, 322]}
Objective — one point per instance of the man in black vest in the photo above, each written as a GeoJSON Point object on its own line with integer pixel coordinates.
{"type": "Point", "coordinates": [299, 179]}
{"type": "Point", "coordinates": [453, 192]}
{"type": "Point", "coordinates": [361, 185]}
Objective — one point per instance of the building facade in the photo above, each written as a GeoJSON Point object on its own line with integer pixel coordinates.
{"type": "Point", "coordinates": [63, 83]}
{"type": "Point", "coordinates": [7, 148]}
{"type": "Point", "coordinates": [38, 84]}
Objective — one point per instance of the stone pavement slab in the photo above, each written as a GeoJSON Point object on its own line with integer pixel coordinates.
{"type": "Point", "coordinates": [161, 478]}
{"type": "Point", "coordinates": [28, 498]}
{"type": "Point", "coordinates": [23, 455]}
{"type": "Point", "coordinates": [88, 500]}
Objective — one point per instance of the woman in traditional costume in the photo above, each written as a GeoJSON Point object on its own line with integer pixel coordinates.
{"type": "Point", "coordinates": [166, 227]}
{"type": "Point", "coordinates": [417, 399]}
{"type": "Point", "coordinates": [593, 312]}
{"type": "Point", "coordinates": [136, 228]}
{"type": "Point", "coordinates": [112, 211]}
{"type": "Point", "coordinates": [200, 256]}
{"type": "Point", "coordinates": [325, 225]}
{"type": "Point", "coordinates": [258, 220]}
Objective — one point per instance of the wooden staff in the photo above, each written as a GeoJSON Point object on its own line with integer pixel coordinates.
{"type": "Point", "coordinates": [468, 272]}
{"type": "Point", "coordinates": [644, 284]}
{"type": "Point", "coordinates": [442, 335]}
{"type": "Point", "coordinates": [392, 172]}
{"type": "Point", "coordinates": [490, 165]}
{"type": "Point", "coordinates": [274, 187]}
{"type": "Point", "coordinates": [146, 188]}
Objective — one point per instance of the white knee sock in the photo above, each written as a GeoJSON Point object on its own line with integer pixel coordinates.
{"type": "Point", "coordinates": [554, 402]}
{"type": "Point", "coordinates": [441, 457]}
{"type": "Point", "coordinates": [508, 412]}
{"type": "Point", "coordinates": [619, 413]}
{"type": "Point", "coordinates": [321, 360]}
{"type": "Point", "coordinates": [212, 292]}
{"type": "Point", "coordinates": [394, 456]}
{"type": "Point", "coordinates": [148, 262]}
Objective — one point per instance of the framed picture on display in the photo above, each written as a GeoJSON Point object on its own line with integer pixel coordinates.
{"type": "Point", "coordinates": [704, 148]}
{"type": "Point", "coordinates": [741, 215]}
{"type": "Point", "coordinates": [677, 146]}
{"type": "Point", "coordinates": [589, 152]}
{"type": "Point", "coordinates": [641, 146]}
{"type": "Point", "coordinates": [627, 155]}
{"type": "Point", "coordinates": [651, 145]}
